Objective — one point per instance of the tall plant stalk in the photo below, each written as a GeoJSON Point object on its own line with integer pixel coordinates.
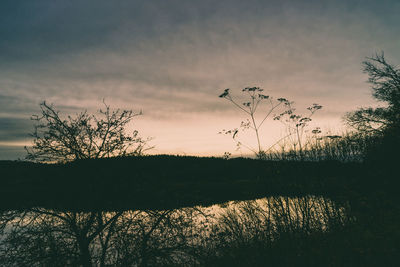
{"type": "Point", "coordinates": [250, 108]}
{"type": "Point", "coordinates": [294, 123]}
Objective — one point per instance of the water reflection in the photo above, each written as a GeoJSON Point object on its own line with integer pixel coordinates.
{"type": "Point", "coordinates": [185, 237]}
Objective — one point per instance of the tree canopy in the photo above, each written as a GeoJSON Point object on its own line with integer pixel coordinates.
{"type": "Point", "coordinates": [385, 81]}
{"type": "Point", "coordinates": [84, 136]}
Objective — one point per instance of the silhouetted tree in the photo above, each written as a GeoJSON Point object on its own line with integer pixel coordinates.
{"type": "Point", "coordinates": [385, 81]}
{"type": "Point", "coordinates": [84, 136]}
{"type": "Point", "coordinates": [381, 124]}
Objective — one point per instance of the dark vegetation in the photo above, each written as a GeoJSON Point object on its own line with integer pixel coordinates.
{"type": "Point", "coordinates": [85, 136]}
{"type": "Point", "coordinates": [168, 181]}
{"type": "Point", "coordinates": [97, 201]}
{"type": "Point", "coordinates": [367, 234]}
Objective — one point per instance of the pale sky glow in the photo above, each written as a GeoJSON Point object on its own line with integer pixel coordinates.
{"type": "Point", "coordinates": [172, 59]}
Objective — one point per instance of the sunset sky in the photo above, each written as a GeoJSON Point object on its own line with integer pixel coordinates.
{"type": "Point", "coordinates": [171, 59]}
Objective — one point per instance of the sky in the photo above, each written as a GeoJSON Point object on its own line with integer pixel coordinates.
{"type": "Point", "coordinates": [171, 59]}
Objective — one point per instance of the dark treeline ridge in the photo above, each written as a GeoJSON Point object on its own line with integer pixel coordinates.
{"type": "Point", "coordinates": [164, 181]}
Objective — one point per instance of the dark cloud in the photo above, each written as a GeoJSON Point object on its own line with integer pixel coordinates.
{"type": "Point", "coordinates": [51, 28]}
{"type": "Point", "coordinates": [34, 30]}
{"type": "Point", "coordinates": [14, 129]}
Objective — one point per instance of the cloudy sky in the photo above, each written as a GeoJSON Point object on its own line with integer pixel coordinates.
{"type": "Point", "coordinates": [173, 58]}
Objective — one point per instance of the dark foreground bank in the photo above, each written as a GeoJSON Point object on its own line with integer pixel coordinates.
{"type": "Point", "coordinates": [112, 204]}
{"type": "Point", "coordinates": [155, 182]}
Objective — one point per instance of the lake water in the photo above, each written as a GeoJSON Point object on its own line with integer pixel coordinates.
{"type": "Point", "coordinates": [185, 236]}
